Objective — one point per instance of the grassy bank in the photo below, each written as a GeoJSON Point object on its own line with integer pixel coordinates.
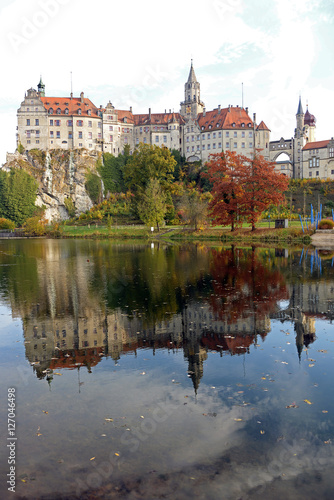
{"type": "Point", "coordinates": [263, 233]}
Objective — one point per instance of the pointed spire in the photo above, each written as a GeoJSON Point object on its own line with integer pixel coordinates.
{"type": "Point", "coordinates": [192, 76]}
{"type": "Point", "coordinates": [300, 107]}
{"type": "Point", "coordinates": [41, 87]}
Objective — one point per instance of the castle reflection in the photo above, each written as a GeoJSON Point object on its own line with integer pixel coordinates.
{"type": "Point", "coordinates": [86, 301]}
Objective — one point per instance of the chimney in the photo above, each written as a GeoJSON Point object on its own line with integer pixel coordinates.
{"type": "Point", "coordinates": [130, 109]}
{"type": "Point", "coordinates": [246, 110]}
{"type": "Point", "coordinates": [254, 118]}
{"type": "Point", "coordinates": [82, 97]}
{"type": "Point", "coordinates": [71, 95]}
{"type": "Point", "coordinates": [204, 111]}
{"type": "Point", "coordinates": [149, 113]}
{"type": "Point", "coordinates": [170, 111]}
{"type": "Point", "coordinates": [219, 108]}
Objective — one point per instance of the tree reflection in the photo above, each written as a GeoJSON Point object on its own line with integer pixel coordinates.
{"type": "Point", "coordinates": [244, 284]}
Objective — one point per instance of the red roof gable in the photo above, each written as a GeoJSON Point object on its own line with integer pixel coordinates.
{"type": "Point", "coordinates": [73, 105]}
{"type": "Point", "coordinates": [316, 145]}
{"type": "Point", "coordinates": [232, 117]}
{"type": "Point", "coordinates": [262, 126]}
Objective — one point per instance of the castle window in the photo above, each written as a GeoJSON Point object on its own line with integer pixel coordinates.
{"type": "Point", "coordinates": [66, 111]}
{"type": "Point", "coordinates": [28, 133]}
{"type": "Point", "coordinates": [233, 124]}
{"type": "Point", "coordinates": [242, 124]}
{"type": "Point", "coordinates": [242, 144]}
{"type": "Point", "coordinates": [37, 122]}
{"type": "Point", "coordinates": [227, 134]}
{"type": "Point", "coordinates": [235, 134]}
{"type": "Point", "coordinates": [58, 135]}
{"type": "Point", "coordinates": [310, 174]}
{"type": "Point", "coordinates": [90, 124]}
{"type": "Point", "coordinates": [331, 152]}
{"type": "Point", "coordinates": [79, 123]}
{"type": "Point", "coordinates": [165, 139]}
{"type": "Point", "coordinates": [214, 135]}
{"type": "Point", "coordinates": [250, 134]}
{"type": "Point", "coordinates": [89, 112]}
{"type": "Point", "coordinates": [235, 145]}
{"type": "Point", "coordinates": [28, 109]}
{"type": "Point", "coordinates": [51, 133]}
{"type": "Point", "coordinates": [50, 111]}
{"type": "Point", "coordinates": [110, 127]}
{"type": "Point", "coordinates": [58, 111]}
{"type": "Point", "coordinates": [69, 123]}
{"type": "Point", "coordinates": [57, 123]}
{"type": "Point", "coordinates": [79, 111]}
{"type": "Point", "coordinates": [28, 122]}
{"type": "Point", "coordinates": [157, 138]}
{"type": "Point", "coordinates": [243, 133]}
{"type": "Point", "coordinates": [80, 135]}
{"type": "Point", "coordinates": [227, 145]}
{"type": "Point", "coordinates": [214, 145]}
{"type": "Point", "coordinates": [70, 135]}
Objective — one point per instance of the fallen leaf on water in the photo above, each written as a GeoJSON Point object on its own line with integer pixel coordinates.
{"type": "Point", "coordinates": [109, 419]}
{"type": "Point", "coordinates": [238, 419]}
{"type": "Point", "coordinates": [292, 406]}
{"type": "Point", "coordinates": [141, 416]}
{"type": "Point", "coordinates": [307, 401]}
{"type": "Point", "coordinates": [324, 411]}
{"type": "Point", "coordinates": [262, 432]}
{"type": "Point", "coordinates": [93, 458]}
{"type": "Point", "coordinates": [263, 378]}
{"type": "Point", "coordinates": [310, 365]}
{"type": "Point", "coordinates": [38, 433]}
{"type": "Point", "coordinates": [117, 454]}
{"type": "Point", "coordinates": [56, 373]}
{"type": "Point", "coordinates": [44, 411]}
{"type": "Point", "coordinates": [322, 350]}
{"type": "Point", "coordinates": [327, 442]}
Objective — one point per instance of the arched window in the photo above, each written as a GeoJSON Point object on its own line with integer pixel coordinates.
{"type": "Point", "coordinates": [79, 111]}
{"type": "Point", "coordinates": [66, 111]}
{"type": "Point", "coordinates": [50, 111]}
{"type": "Point", "coordinates": [58, 111]}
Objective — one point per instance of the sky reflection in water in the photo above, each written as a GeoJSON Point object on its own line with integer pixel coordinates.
{"type": "Point", "coordinates": [184, 371]}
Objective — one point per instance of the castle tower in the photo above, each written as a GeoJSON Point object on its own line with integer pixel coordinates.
{"type": "Point", "coordinates": [299, 120]}
{"type": "Point", "coordinates": [192, 104]}
{"type": "Point", "coordinates": [309, 126]}
{"type": "Point", "coordinates": [41, 88]}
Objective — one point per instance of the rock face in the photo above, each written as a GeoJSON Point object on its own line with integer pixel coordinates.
{"type": "Point", "coordinates": [61, 176]}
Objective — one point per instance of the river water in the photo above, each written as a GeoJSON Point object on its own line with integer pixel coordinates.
{"type": "Point", "coordinates": [157, 371]}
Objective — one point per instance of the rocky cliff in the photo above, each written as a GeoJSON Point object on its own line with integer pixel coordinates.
{"type": "Point", "coordinates": [61, 176]}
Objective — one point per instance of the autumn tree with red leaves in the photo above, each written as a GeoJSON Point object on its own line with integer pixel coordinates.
{"type": "Point", "coordinates": [225, 172]}
{"type": "Point", "coordinates": [243, 188]}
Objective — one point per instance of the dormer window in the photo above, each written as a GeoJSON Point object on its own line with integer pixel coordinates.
{"type": "Point", "coordinates": [242, 124]}
{"type": "Point", "coordinates": [233, 124]}
{"type": "Point", "coordinates": [50, 111]}
{"type": "Point", "coordinates": [125, 120]}
{"type": "Point", "coordinates": [58, 111]}
{"type": "Point", "coordinates": [79, 111]}
{"type": "Point", "coordinates": [66, 111]}
{"type": "Point", "coordinates": [89, 112]}
{"type": "Point", "coordinates": [249, 125]}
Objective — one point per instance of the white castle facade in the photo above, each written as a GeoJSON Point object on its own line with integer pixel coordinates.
{"type": "Point", "coordinates": [75, 122]}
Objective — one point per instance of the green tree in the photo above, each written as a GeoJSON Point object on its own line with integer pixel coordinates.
{"type": "Point", "coordinates": [149, 162]}
{"type": "Point", "coordinates": [111, 171]}
{"type": "Point", "coordinates": [194, 206]}
{"type": "Point", "coordinates": [18, 191]}
{"type": "Point", "coordinates": [152, 206]}
{"type": "Point", "coordinates": [93, 187]}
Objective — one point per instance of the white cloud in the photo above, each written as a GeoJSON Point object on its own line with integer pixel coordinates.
{"type": "Point", "coordinates": [132, 53]}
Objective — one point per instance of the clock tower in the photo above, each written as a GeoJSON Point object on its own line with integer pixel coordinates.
{"type": "Point", "coordinates": [192, 104]}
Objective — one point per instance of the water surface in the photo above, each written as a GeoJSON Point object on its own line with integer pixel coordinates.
{"type": "Point", "coordinates": [145, 371]}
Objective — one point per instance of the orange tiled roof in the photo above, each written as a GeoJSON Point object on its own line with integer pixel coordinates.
{"type": "Point", "coordinates": [262, 126]}
{"type": "Point", "coordinates": [231, 117]}
{"type": "Point", "coordinates": [73, 105]}
{"type": "Point", "coordinates": [121, 114]}
{"type": "Point", "coordinates": [316, 145]}
{"type": "Point", "coordinates": [158, 119]}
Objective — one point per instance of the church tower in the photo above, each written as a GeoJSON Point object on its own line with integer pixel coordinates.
{"type": "Point", "coordinates": [192, 104]}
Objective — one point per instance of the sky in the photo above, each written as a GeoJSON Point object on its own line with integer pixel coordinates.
{"type": "Point", "coordinates": [263, 54]}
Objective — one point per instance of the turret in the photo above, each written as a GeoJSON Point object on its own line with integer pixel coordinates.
{"type": "Point", "coordinates": [41, 88]}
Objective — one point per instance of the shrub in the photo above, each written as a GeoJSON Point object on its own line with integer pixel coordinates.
{"type": "Point", "coordinates": [34, 226]}
{"type": "Point", "coordinates": [326, 224]}
{"type": "Point", "coordinates": [6, 223]}
{"type": "Point", "coordinates": [69, 205]}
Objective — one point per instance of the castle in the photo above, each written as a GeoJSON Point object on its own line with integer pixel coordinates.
{"type": "Point", "coordinates": [75, 122]}
{"type": "Point", "coordinates": [301, 156]}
